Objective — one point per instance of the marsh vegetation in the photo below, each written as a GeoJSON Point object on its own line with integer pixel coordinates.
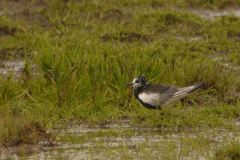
{"type": "Point", "coordinates": [72, 61]}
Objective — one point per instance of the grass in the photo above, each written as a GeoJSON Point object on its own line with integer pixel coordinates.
{"type": "Point", "coordinates": [230, 151]}
{"type": "Point", "coordinates": [80, 55]}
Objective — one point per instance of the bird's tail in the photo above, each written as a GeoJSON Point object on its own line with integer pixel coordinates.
{"type": "Point", "coordinates": [196, 86]}
{"type": "Point", "coordinates": [188, 89]}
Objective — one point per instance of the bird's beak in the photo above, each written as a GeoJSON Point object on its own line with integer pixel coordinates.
{"type": "Point", "coordinates": [130, 84]}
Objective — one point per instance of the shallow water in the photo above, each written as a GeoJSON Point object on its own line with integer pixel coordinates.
{"type": "Point", "coordinates": [122, 141]}
{"type": "Point", "coordinates": [213, 14]}
{"type": "Point", "coordinates": [189, 38]}
{"type": "Point", "coordinates": [9, 66]}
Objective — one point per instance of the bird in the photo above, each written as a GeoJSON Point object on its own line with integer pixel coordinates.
{"type": "Point", "coordinates": [156, 96]}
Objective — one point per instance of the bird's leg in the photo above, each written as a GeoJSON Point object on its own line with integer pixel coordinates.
{"type": "Point", "coordinates": [157, 108]}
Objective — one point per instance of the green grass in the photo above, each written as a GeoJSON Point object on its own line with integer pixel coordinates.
{"type": "Point", "coordinates": [230, 151]}
{"type": "Point", "coordinates": [80, 55]}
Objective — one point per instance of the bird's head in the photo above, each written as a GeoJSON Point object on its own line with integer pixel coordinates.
{"type": "Point", "coordinates": [139, 82]}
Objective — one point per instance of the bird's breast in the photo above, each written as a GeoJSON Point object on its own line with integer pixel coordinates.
{"type": "Point", "coordinates": [149, 98]}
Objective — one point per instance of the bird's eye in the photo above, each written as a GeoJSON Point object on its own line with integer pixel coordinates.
{"type": "Point", "coordinates": [137, 81]}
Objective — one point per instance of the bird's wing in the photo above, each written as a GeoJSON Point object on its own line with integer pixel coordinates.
{"type": "Point", "coordinates": [157, 94]}
{"type": "Point", "coordinates": [182, 92]}
{"type": "Point", "coordinates": [157, 88]}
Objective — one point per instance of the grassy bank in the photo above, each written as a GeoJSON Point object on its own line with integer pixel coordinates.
{"type": "Point", "coordinates": [80, 55]}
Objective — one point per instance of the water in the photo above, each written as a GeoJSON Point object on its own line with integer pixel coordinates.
{"type": "Point", "coordinates": [122, 141]}
{"type": "Point", "coordinates": [189, 38]}
{"type": "Point", "coordinates": [213, 14]}
{"type": "Point", "coordinates": [8, 66]}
